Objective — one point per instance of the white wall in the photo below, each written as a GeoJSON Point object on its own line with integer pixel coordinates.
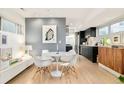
{"type": "Point", "coordinates": [14, 41]}
{"type": "Point", "coordinates": [10, 14]}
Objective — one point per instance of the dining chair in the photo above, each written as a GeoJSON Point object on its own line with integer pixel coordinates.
{"type": "Point", "coordinates": [69, 56]}
{"type": "Point", "coordinates": [45, 51]}
{"type": "Point", "coordinates": [72, 52]}
{"type": "Point", "coordinates": [42, 65]}
{"type": "Point", "coordinates": [69, 64]}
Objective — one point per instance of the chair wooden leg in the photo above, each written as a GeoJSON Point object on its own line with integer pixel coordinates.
{"type": "Point", "coordinates": [66, 70]}
{"type": "Point", "coordinates": [75, 71]}
{"type": "Point", "coordinates": [42, 71]}
{"type": "Point", "coordinates": [62, 72]}
{"type": "Point", "coordinates": [40, 77]}
{"type": "Point", "coordinates": [41, 74]}
{"type": "Point", "coordinates": [37, 70]}
{"type": "Point", "coordinates": [72, 70]}
{"type": "Point", "coordinates": [48, 69]}
{"type": "Point", "coordinates": [62, 69]}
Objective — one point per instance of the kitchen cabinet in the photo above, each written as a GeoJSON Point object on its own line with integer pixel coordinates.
{"type": "Point", "coordinates": [88, 32]}
{"type": "Point", "coordinates": [112, 58]}
{"type": "Point", "coordinates": [87, 51]}
{"type": "Point", "coordinates": [90, 52]}
{"type": "Point", "coordinates": [91, 32]}
{"type": "Point", "coordinates": [13, 70]}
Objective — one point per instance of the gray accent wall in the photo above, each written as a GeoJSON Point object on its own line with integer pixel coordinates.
{"type": "Point", "coordinates": [34, 34]}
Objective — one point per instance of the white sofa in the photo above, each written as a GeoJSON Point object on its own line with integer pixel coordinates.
{"type": "Point", "coordinates": [13, 70]}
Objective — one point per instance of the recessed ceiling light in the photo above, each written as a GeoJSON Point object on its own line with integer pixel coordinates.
{"type": "Point", "coordinates": [71, 24]}
{"type": "Point", "coordinates": [22, 9]}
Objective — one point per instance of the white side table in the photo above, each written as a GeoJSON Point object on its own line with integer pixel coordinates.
{"type": "Point", "coordinates": [56, 73]}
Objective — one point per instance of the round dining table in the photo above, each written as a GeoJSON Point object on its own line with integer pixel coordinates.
{"type": "Point", "coordinates": [56, 55]}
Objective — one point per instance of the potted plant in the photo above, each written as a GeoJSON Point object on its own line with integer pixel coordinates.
{"type": "Point", "coordinates": [121, 78]}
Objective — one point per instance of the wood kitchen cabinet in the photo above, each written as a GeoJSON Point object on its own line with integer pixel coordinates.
{"type": "Point", "coordinates": [112, 58]}
{"type": "Point", "coordinates": [119, 60]}
{"type": "Point", "coordinates": [101, 53]}
{"type": "Point", "coordinates": [109, 58]}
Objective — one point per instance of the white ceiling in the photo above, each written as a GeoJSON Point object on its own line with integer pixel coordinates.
{"type": "Point", "coordinates": [76, 17]}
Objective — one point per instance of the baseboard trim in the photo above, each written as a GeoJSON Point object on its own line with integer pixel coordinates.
{"type": "Point", "coordinates": [110, 70]}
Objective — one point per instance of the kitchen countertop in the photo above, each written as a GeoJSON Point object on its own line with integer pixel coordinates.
{"type": "Point", "coordinates": [89, 45]}
{"type": "Point", "coordinates": [102, 46]}
{"type": "Point", "coordinates": [112, 47]}
{"type": "Point", "coordinates": [106, 46]}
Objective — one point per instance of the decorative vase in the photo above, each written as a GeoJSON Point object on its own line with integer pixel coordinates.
{"type": "Point", "coordinates": [4, 64]}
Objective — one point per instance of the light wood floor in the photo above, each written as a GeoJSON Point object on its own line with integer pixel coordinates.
{"type": "Point", "coordinates": [88, 73]}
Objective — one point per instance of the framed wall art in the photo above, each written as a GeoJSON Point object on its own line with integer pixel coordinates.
{"type": "Point", "coordinates": [4, 39]}
{"type": "Point", "coordinates": [49, 34]}
{"type": "Point", "coordinates": [116, 39]}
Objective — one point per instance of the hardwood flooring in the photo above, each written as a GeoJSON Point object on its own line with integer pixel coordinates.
{"type": "Point", "coordinates": [87, 73]}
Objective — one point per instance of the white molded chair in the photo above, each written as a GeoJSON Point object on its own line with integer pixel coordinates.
{"type": "Point", "coordinates": [72, 52]}
{"type": "Point", "coordinates": [69, 62]}
{"type": "Point", "coordinates": [44, 52]}
{"type": "Point", "coordinates": [41, 65]}
{"type": "Point", "coordinates": [68, 57]}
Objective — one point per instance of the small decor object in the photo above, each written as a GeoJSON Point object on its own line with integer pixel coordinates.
{"type": "Point", "coordinates": [106, 41]}
{"type": "Point", "coordinates": [6, 53]}
{"type": "Point", "coordinates": [28, 49]}
{"type": "Point", "coordinates": [4, 39]}
{"type": "Point", "coordinates": [4, 64]}
{"type": "Point", "coordinates": [49, 34]}
{"type": "Point", "coordinates": [116, 39]}
{"type": "Point", "coordinates": [121, 78]}
{"type": "Point", "coordinates": [13, 61]}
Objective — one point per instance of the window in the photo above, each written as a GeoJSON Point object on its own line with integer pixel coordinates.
{"type": "Point", "coordinates": [117, 27]}
{"type": "Point", "coordinates": [104, 30]}
{"type": "Point", "coordinates": [8, 26]}
{"type": "Point", "coordinates": [18, 28]}
{"type": "Point", "coordinates": [0, 23]}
